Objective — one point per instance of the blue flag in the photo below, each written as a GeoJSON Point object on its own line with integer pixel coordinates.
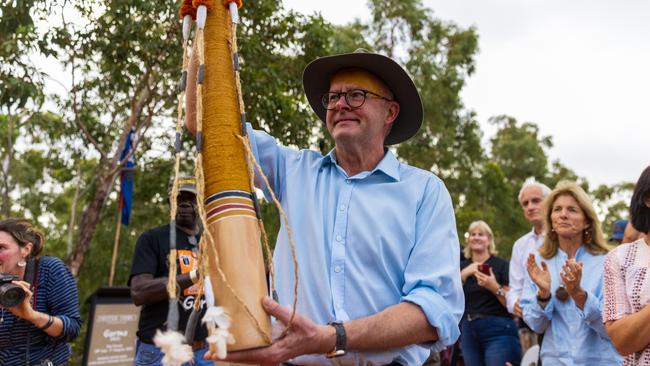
{"type": "Point", "coordinates": [126, 178]}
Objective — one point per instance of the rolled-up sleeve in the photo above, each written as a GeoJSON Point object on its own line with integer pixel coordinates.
{"type": "Point", "coordinates": [63, 300]}
{"type": "Point", "coordinates": [432, 276]}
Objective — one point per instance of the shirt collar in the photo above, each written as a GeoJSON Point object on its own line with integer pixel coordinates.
{"type": "Point", "coordinates": [536, 236]}
{"type": "Point", "coordinates": [388, 165]}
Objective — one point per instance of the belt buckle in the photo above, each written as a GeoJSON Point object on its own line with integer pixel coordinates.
{"type": "Point", "coordinates": [471, 317]}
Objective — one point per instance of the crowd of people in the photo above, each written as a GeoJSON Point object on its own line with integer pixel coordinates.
{"type": "Point", "coordinates": [376, 238]}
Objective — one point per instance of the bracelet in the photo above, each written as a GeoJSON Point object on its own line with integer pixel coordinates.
{"type": "Point", "coordinates": [544, 299]}
{"type": "Point", "coordinates": [501, 291]}
{"type": "Point", "coordinates": [50, 321]}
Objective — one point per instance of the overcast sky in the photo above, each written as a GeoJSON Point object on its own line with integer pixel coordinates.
{"type": "Point", "coordinates": [579, 69]}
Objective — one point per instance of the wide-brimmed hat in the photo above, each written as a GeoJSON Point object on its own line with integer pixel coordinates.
{"type": "Point", "coordinates": [318, 73]}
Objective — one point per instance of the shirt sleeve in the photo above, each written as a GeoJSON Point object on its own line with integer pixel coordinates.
{"type": "Point", "coordinates": [63, 300]}
{"type": "Point", "coordinates": [271, 157]}
{"type": "Point", "coordinates": [516, 277]}
{"type": "Point", "coordinates": [614, 289]}
{"type": "Point", "coordinates": [591, 314]}
{"type": "Point", "coordinates": [538, 319]}
{"type": "Point", "coordinates": [145, 257]}
{"type": "Point", "coordinates": [432, 275]}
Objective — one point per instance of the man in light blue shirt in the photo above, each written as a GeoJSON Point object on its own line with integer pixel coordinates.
{"type": "Point", "coordinates": [376, 242]}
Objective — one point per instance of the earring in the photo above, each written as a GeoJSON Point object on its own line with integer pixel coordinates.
{"type": "Point", "coordinates": [587, 236]}
{"type": "Point", "coordinates": [22, 263]}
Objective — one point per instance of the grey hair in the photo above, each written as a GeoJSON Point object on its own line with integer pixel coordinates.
{"type": "Point", "coordinates": [531, 182]}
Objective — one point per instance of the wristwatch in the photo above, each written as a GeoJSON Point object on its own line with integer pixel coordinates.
{"type": "Point", "coordinates": [341, 341]}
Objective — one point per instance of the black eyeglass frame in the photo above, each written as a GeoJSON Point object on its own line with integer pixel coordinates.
{"type": "Point", "coordinates": [325, 98]}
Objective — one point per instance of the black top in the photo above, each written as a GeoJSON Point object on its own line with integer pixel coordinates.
{"type": "Point", "coordinates": [479, 300]}
{"type": "Point", "coordinates": [151, 252]}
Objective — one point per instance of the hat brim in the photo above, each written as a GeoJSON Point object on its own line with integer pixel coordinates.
{"type": "Point", "coordinates": [318, 73]}
{"type": "Point", "coordinates": [616, 237]}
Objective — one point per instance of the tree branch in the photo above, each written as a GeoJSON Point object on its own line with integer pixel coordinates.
{"type": "Point", "coordinates": [88, 136]}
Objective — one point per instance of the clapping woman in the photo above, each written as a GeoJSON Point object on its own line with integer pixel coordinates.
{"type": "Point", "coordinates": [489, 335]}
{"type": "Point", "coordinates": [563, 293]}
{"type": "Point", "coordinates": [38, 328]}
{"type": "Point", "coordinates": [627, 284]}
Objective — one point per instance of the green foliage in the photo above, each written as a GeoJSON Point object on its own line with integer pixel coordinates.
{"type": "Point", "coordinates": [125, 59]}
{"type": "Point", "coordinates": [275, 46]}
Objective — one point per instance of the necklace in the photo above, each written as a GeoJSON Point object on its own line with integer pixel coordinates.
{"type": "Point", "coordinates": [2, 319]}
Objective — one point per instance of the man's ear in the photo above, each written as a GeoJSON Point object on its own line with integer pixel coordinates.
{"type": "Point", "coordinates": [392, 112]}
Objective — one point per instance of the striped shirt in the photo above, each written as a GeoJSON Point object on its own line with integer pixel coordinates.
{"type": "Point", "coordinates": [56, 295]}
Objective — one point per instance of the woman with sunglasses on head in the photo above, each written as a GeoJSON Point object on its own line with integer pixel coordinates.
{"type": "Point", "coordinates": [489, 335]}
{"type": "Point", "coordinates": [563, 291]}
{"type": "Point", "coordinates": [39, 306]}
{"type": "Point", "coordinates": [627, 284]}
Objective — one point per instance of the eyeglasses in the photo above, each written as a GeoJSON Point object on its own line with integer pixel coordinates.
{"type": "Point", "coordinates": [354, 98]}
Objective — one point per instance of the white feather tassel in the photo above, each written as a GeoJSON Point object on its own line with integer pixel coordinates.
{"type": "Point", "coordinates": [171, 344]}
{"type": "Point", "coordinates": [218, 322]}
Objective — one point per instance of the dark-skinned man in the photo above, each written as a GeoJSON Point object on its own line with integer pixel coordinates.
{"type": "Point", "coordinates": [376, 240]}
{"type": "Point", "coordinates": [150, 271]}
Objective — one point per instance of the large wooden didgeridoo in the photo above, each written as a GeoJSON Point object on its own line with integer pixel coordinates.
{"type": "Point", "coordinates": [231, 215]}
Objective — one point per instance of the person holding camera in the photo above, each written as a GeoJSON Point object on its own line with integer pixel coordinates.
{"type": "Point", "coordinates": [39, 306]}
{"type": "Point", "coordinates": [489, 334]}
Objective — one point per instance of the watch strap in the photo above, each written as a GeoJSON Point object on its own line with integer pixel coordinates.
{"type": "Point", "coordinates": [341, 340]}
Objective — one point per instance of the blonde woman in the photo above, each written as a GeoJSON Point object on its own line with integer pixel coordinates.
{"type": "Point", "coordinates": [563, 292]}
{"type": "Point", "coordinates": [489, 335]}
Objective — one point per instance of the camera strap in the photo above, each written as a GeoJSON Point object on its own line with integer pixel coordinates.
{"type": "Point", "coordinates": [31, 277]}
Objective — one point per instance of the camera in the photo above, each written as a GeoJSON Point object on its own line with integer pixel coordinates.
{"type": "Point", "coordinates": [10, 294]}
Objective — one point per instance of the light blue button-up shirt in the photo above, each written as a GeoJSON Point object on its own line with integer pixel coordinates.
{"type": "Point", "coordinates": [364, 243]}
{"type": "Point", "coordinates": [571, 336]}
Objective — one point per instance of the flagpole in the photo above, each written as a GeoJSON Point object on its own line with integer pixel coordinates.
{"type": "Point", "coordinates": [116, 244]}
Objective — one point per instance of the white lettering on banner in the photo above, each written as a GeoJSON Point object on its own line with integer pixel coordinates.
{"type": "Point", "coordinates": [122, 318]}
{"type": "Point", "coordinates": [115, 335]}
{"type": "Point", "coordinates": [188, 303]}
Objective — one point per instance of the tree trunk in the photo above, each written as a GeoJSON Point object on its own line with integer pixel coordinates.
{"type": "Point", "coordinates": [108, 171]}
{"type": "Point", "coordinates": [89, 221]}
{"type": "Point", "coordinates": [73, 213]}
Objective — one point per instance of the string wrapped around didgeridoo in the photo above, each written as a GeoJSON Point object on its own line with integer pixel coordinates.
{"type": "Point", "coordinates": [233, 235]}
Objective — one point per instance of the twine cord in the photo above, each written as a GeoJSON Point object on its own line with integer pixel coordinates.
{"type": "Point", "coordinates": [285, 219]}
{"type": "Point", "coordinates": [173, 270]}
{"type": "Point", "coordinates": [250, 160]}
{"type": "Point", "coordinates": [208, 239]}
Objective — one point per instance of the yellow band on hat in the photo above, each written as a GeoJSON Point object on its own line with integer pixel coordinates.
{"type": "Point", "coordinates": [361, 78]}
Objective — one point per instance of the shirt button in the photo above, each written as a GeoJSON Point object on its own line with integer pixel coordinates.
{"type": "Point", "coordinates": [348, 181]}
{"type": "Point", "coordinates": [337, 269]}
{"type": "Point", "coordinates": [339, 238]}
{"type": "Point", "coordinates": [342, 207]}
